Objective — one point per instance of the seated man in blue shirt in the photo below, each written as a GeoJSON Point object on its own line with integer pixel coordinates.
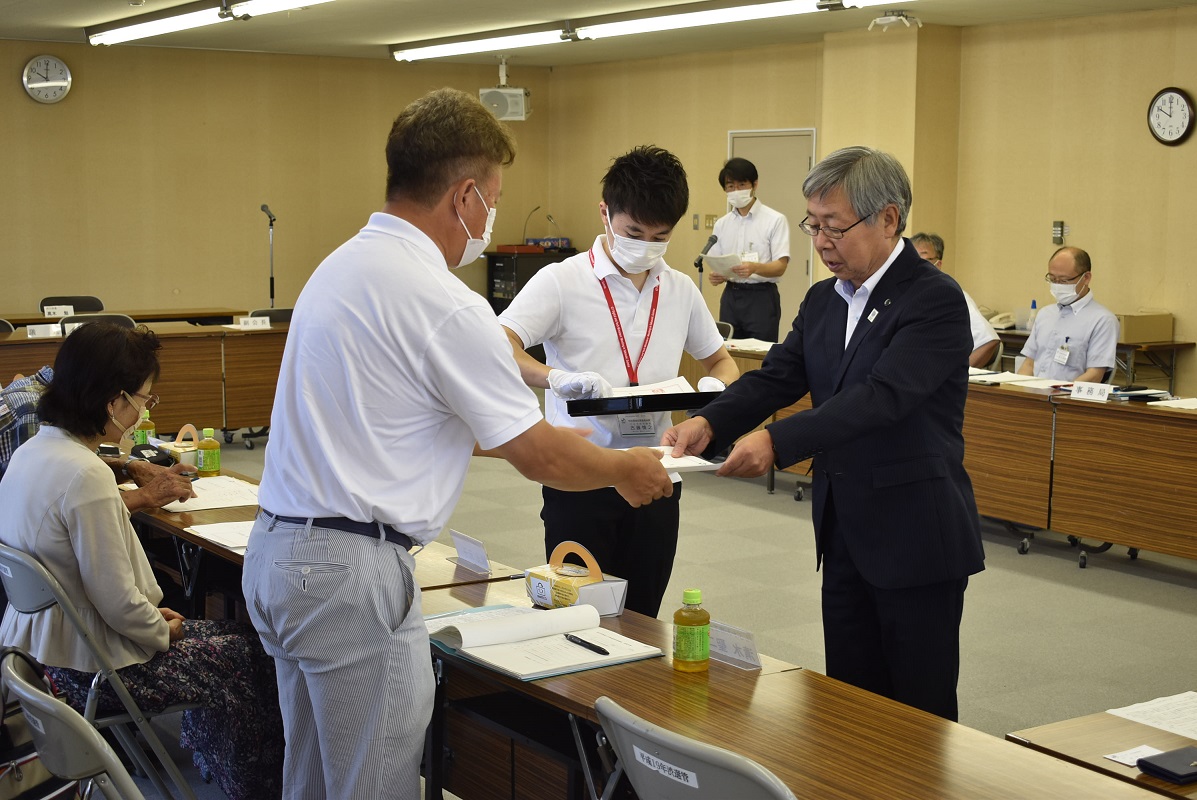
{"type": "Point", "coordinates": [1075, 338]}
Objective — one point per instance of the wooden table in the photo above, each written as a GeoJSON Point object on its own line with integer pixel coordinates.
{"type": "Point", "coordinates": [252, 360]}
{"type": "Point", "coordinates": [1008, 452]}
{"type": "Point", "coordinates": [1126, 473]}
{"type": "Point", "coordinates": [199, 316]}
{"type": "Point", "coordinates": [1162, 355]}
{"type": "Point", "coordinates": [823, 738]}
{"type": "Point", "coordinates": [1086, 740]}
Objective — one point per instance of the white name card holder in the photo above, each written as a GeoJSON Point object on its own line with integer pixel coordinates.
{"type": "Point", "coordinates": [253, 323]}
{"type": "Point", "coordinates": [471, 553]}
{"type": "Point", "coordinates": [48, 330]}
{"type": "Point", "coordinates": [734, 646]}
{"type": "Point", "coordinates": [69, 327]}
{"type": "Point", "coordinates": [1093, 392]}
{"type": "Point", "coordinates": [58, 311]}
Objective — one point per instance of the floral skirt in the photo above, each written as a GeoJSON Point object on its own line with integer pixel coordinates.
{"type": "Point", "coordinates": [237, 733]}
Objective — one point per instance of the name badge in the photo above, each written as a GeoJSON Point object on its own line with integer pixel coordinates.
{"type": "Point", "coordinates": [636, 425]}
{"type": "Point", "coordinates": [1062, 354]}
{"type": "Point", "coordinates": [751, 257]}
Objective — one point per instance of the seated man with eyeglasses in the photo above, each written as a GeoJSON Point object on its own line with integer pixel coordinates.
{"type": "Point", "coordinates": [985, 339]}
{"type": "Point", "coordinates": [20, 420]}
{"type": "Point", "coordinates": [1075, 338]}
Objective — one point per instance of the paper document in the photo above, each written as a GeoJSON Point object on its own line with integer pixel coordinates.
{"type": "Point", "coordinates": [683, 463]}
{"type": "Point", "coordinates": [1005, 377]}
{"type": "Point", "coordinates": [749, 345]}
{"type": "Point", "coordinates": [980, 371]}
{"type": "Point", "coordinates": [231, 535]}
{"type": "Point", "coordinates": [723, 264]}
{"type": "Point", "coordinates": [529, 644]}
{"type": "Point", "coordinates": [1131, 757]}
{"type": "Point", "coordinates": [678, 385]}
{"type": "Point", "coordinates": [219, 491]}
{"type": "Point", "coordinates": [1175, 714]}
{"type": "Point", "coordinates": [1038, 383]}
{"type": "Point", "coordinates": [1185, 402]}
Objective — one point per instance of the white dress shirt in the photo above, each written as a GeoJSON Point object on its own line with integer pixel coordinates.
{"type": "Point", "coordinates": [762, 231]}
{"type": "Point", "coordinates": [858, 299]}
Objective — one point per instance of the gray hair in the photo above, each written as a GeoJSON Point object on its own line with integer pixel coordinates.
{"type": "Point", "coordinates": [870, 178]}
{"type": "Point", "coordinates": [932, 239]}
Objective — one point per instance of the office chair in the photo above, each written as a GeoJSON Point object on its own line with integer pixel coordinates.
{"type": "Point", "coordinates": [69, 747]}
{"type": "Point", "coordinates": [663, 765]}
{"type": "Point", "coordinates": [725, 330]}
{"type": "Point", "coordinates": [31, 588]}
{"type": "Point", "coordinates": [996, 363]}
{"type": "Point", "coordinates": [6, 326]}
{"type": "Point", "coordinates": [82, 303]}
{"type": "Point", "coordinates": [275, 314]}
{"type": "Point", "coordinates": [117, 319]}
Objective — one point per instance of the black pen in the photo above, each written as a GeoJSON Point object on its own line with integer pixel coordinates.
{"type": "Point", "coordinates": [586, 644]}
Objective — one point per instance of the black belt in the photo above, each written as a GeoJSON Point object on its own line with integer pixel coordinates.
{"type": "Point", "coordinates": [752, 286]}
{"type": "Point", "coordinates": [369, 529]}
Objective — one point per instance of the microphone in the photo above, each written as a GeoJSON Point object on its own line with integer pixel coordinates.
{"type": "Point", "coordinates": [524, 235]}
{"type": "Point", "coordinates": [266, 209]}
{"type": "Point", "coordinates": [705, 249]}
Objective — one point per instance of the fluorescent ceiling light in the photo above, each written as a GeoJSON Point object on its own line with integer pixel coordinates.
{"type": "Point", "coordinates": [509, 42]}
{"type": "Point", "coordinates": [192, 15]}
{"type": "Point", "coordinates": [595, 28]}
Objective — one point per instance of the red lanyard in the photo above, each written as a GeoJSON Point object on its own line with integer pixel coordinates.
{"type": "Point", "coordinates": [633, 370]}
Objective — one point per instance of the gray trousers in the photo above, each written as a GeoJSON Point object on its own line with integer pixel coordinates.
{"type": "Point", "coordinates": [340, 614]}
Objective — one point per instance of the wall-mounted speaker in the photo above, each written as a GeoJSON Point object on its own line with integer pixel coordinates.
{"type": "Point", "coordinates": [507, 102]}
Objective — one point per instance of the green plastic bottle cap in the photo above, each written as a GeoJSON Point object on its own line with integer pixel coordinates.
{"type": "Point", "coordinates": [145, 413]}
{"type": "Point", "coordinates": [209, 433]}
{"type": "Point", "coordinates": [692, 597]}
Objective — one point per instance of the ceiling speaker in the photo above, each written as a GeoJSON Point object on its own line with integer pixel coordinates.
{"type": "Point", "coordinates": [507, 102]}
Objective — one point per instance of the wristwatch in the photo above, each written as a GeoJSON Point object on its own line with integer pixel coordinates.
{"type": "Point", "coordinates": [124, 465]}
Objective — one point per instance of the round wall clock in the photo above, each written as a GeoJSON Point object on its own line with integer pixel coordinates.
{"type": "Point", "coordinates": [47, 79]}
{"type": "Point", "coordinates": [1170, 116]}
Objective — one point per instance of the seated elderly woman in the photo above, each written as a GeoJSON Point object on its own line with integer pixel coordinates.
{"type": "Point", "coordinates": [62, 507]}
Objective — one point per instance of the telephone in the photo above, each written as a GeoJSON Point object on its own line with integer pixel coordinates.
{"type": "Point", "coordinates": [1003, 321]}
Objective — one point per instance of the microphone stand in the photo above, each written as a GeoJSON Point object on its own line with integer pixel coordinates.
{"type": "Point", "coordinates": [271, 235]}
{"type": "Point", "coordinates": [524, 235]}
{"type": "Point", "coordinates": [698, 266]}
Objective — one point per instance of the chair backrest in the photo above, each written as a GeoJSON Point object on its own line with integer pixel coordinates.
{"type": "Point", "coordinates": [6, 326]}
{"type": "Point", "coordinates": [117, 319]}
{"type": "Point", "coordinates": [275, 314]}
{"type": "Point", "coordinates": [68, 745]}
{"type": "Point", "coordinates": [996, 364]}
{"type": "Point", "coordinates": [725, 329]}
{"type": "Point", "coordinates": [80, 302]}
{"type": "Point", "coordinates": [663, 765]}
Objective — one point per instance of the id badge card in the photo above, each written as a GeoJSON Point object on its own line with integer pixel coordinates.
{"type": "Point", "coordinates": [1062, 354]}
{"type": "Point", "coordinates": [636, 425]}
{"type": "Point", "coordinates": [751, 257]}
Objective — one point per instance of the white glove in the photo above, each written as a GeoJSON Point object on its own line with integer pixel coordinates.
{"type": "Point", "coordinates": [708, 384]}
{"type": "Point", "coordinates": [578, 385]}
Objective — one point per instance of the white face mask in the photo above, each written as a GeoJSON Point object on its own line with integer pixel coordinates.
{"type": "Point", "coordinates": [1065, 293]}
{"type": "Point", "coordinates": [633, 255]}
{"type": "Point", "coordinates": [739, 198]}
{"type": "Point", "coordinates": [474, 247]}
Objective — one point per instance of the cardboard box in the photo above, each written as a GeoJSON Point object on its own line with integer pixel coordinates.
{"type": "Point", "coordinates": [180, 451]}
{"type": "Point", "coordinates": [1144, 327]}
{"type": "Point", "coordinates": [557, 584]}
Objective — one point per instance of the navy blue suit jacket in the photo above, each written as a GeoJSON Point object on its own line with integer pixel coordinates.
{"type": "Point", "coordinates": [885, 429]}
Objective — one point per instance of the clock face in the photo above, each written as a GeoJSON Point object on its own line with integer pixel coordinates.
{"type": "Point", "coordinates": [1170, 116]}
{"type": "Point", "coordinates": [47, 79]}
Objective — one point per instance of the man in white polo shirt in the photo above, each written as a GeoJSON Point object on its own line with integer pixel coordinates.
{"type": "Point", "coordinates": [760, 235]}
{"type": "Point", "coordinates": [393, 369]}
{"type": "Point", "coordinates": [985, 339]}
{"type": "Point", "coordinates": [1075, 338]}
{"type": "Point", "coordinates": [617, 315]}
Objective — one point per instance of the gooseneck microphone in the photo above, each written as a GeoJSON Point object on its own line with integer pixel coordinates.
{"type": "Point", "coordinates": [266, 209]}
{"type": "Point", "coordinates": [524, 235]}
{"type": "Point", "coordinates": [705, 249]}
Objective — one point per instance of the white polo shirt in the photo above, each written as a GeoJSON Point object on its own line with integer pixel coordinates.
{"type": "Point", "coordinates": [563, 307]}
{"type": "Point", "coordinates": [1086, 327]}
{"type": "Point", "coordinates": [392, 370]}
{"type": "Point", "coordinates": [762, 231]}
{"type": "Point", "coordinates": [983, 332]}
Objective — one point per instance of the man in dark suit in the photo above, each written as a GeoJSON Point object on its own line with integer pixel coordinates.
{"type": "Point", "coordinates": [882, 348]}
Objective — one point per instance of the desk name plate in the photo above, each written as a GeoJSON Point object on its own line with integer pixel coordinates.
{"type": "Point", "coordinates": [253, 323]}
{"type": "Point", "coordinates": [49, 330]}
{"type": "Point", "coordinates": [58, 311]}
{"type": "Point", "coordinates": [734, 646]}
{"type": "Point", "coordinates": [1093, 392]}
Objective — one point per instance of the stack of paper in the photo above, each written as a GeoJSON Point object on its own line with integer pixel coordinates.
{"type": "Point", "coordinates": [1185, 402]}
{"type": "Point", "coordinates": [750, 345]}
{"type": "Point", "coordinates": [229, 535]}
{"type": "Point", "coordinates": [1003, 377]}
{"type": "Point", "coordinates": [219, 491]}
{"type": "Point", "coordinates": [678, 385]}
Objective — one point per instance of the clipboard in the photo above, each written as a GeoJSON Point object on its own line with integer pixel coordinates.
{"type": "Point", "coordinates": [640, 403]}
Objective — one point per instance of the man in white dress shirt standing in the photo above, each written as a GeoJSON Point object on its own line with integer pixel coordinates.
{"type": "Point", "coordinates": [393, 369]}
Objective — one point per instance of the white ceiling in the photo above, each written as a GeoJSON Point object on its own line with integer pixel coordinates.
{"type": "Point", "coordinates": [364, 28]}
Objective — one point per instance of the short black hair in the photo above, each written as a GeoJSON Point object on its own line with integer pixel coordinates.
{"type": "Point", "coordinates": [95, 364]}
{"type": "Point", "coordinates": [649, 185]}
{"type": "Point", "coordinates": [737, 169]}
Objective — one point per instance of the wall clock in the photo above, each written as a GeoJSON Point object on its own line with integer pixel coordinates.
{"type": "Point", "coordinates": [47, 79]}
{"type": "Point", "coordinates": [1170, 116]}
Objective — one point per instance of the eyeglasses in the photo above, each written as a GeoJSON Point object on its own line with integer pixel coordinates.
{"type": "Point", "coordinates": [1050, 278]}
{"type": "Point", "coordinates": [830, 233]}
{"type": "Point", "coordinates": [151, 400]}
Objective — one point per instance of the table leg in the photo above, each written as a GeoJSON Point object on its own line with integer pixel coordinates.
{"type": "Point", "coordinates": [434, 740]}
{"type": "Point", "coordinates": [190, 558]}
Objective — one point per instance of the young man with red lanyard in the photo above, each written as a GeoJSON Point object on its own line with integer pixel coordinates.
{"type": "Point", "coordinates": [617, 315]}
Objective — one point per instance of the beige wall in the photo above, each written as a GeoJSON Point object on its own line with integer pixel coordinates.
{"type": "Point", "coordinates": [143, 186]}
{"type": "Point", "coordinates": [1053, 126]}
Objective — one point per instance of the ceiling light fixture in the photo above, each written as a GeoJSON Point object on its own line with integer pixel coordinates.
{"type": "Point", "coordinates": [185, 17]}
{"type": "Point", "coordinates": [616, 25]}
